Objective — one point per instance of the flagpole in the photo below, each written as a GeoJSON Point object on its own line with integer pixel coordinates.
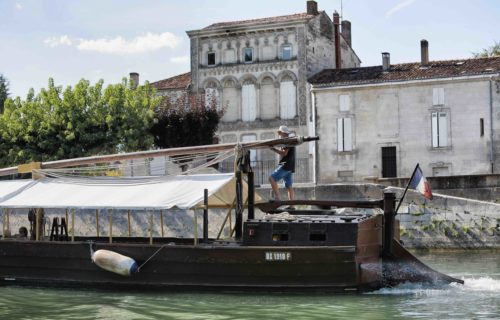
{"type": "Point", "coordinates": [406, 189]}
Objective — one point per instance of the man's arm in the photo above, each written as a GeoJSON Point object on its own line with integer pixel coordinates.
{"type": "Point", "coordinates": [282, 152]}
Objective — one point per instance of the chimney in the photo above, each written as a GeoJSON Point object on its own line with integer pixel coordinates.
{"type": "Point", "coordinates": [134, 77]}
{"type": "Point", "coordinates": [312, 7]}
{"type": "Point", "coordinates": [336, 33]}
{"type": "Point", "coordinates": [424, 52]}
{"type": "Point", "coordinates": [386, 61]}
{"type": "Point", "coordinates": [346, 31]}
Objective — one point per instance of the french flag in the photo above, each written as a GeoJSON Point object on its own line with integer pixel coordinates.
{"type": "Point", "coordinates": [419, 183]}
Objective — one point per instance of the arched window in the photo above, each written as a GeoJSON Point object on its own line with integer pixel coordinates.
{"type": "Point", "coordinates": [248, 101]}
{"type": "Point", "coordinates": [230, 103]}
{"type": "Point", "coordinates": [288, 98]}
{"type": "Point", "coordinates": [268, 100]}
{"type": "Point", "coordinates": [211, 96]}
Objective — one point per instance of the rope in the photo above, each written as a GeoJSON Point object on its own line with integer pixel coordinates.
{"type": "Point", "coordinates": [154, 254]}
{"type": "Point", "coordinates": [80, 175]}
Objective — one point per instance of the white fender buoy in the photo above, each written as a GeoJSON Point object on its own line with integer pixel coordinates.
{"type": "Point", "coordinates": [115, 262]}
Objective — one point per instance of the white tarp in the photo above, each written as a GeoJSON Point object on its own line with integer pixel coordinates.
{"type": "Point", "coordinates": [9, 188]}
{"type": "Point", "coordinates": [183, 192]}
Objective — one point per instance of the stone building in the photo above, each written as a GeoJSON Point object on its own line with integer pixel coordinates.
{"type": "Point", "coordinates": [257, 72]}
{"type": "Point", "coordinates": [379, 122]}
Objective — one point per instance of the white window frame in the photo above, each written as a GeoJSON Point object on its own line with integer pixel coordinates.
{"type": "Point", "coordinates": [344, 134]}
{"type": "Point", "coordinates": [439, 127]}
{"type": "Point", "coordinates": [245, 55]}
{"type": "Point", "coordinates": [344, 102]}
{"type": "Point", "coordinates": [286, 47]}
{"type": "Point", "coordinates": [438, 96]}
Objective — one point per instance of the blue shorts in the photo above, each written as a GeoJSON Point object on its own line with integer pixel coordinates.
{"type": "Point", "coordinates": [281, 173]}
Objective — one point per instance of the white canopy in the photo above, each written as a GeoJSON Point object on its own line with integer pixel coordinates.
{"type": "Point", "coordinates": [8, 188]}
{"type": "Point", "coordinates": [183, 192]}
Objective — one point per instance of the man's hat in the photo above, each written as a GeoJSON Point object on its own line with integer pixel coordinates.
{"type": "Point", "coordinates": [284, 129]}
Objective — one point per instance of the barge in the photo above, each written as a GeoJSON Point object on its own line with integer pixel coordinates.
{"type": "Point", "coordinates": [300, 245]}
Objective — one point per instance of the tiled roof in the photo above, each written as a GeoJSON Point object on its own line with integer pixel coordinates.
{"type": "Point", "coordinates": [406, 72]}
{"type": "Point", "coordinates": [181, 81]}
{"type": "Point", "coordinates": [303, 15]}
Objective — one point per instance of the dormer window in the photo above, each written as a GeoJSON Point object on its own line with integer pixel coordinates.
{"type": "Point", "coordinates": [248, 55]}
{"type": "Point", "coordinates": [211, 59]}
{"type": "Point", "coordinates": [286, 52]}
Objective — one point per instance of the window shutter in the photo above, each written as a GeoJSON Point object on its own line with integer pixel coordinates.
{"type": "Point", "coordinates": [344, 102]}
{"type": "Point", "coordinates": [438, 96]}
{"type": "Point", "coordinates": [344, 134]}
{"type": "Point", "coordinates": [434, 122]}
{"type": "Point", "coordinates": [441, 96]}
{"type": "Point", "coordinates": [287, 100]}
{"type": "Point", "coordinates": [248, 102]}
{"type": "Point", "coordinates": [252, 103]}
{"type": "Point", "coordinates": [443, 129]}
{"type": "Point", "coordinates": [347, 134]}
{"type": "Point", "coordinates": [245, 102]}
{"type": "Point", "coordinates": [340, 135]}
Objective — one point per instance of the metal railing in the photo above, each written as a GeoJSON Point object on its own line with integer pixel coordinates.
{"type": "Point", "coordinates": [263, 168]}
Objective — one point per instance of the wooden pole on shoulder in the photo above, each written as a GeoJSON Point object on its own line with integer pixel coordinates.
{"type": "Point", "coordinates": [163, 152]}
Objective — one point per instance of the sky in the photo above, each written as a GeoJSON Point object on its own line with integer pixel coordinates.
{"type": "Point", "coordinates": [68, 40]}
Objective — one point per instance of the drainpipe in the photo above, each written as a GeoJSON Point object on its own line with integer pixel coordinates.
{"type": "Point", "coordinates": [492, 160]}
{"type": "Point", "coordinates": [336, 33]}
{"type": "Point", "coordinates": [312, 133]}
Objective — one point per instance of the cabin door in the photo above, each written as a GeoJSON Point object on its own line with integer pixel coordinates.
{"type": "Point", "coordinates": [389, 168]}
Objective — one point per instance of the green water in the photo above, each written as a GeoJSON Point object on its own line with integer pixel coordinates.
{"type": "Point", "coordinates": [479, 298]}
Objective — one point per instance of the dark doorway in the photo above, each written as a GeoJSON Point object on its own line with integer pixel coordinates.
{"type": "Point", "coordinates": [389, 168]}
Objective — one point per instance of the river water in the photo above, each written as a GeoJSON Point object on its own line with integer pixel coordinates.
{"type": "Point", "coordinates": [479, 298]}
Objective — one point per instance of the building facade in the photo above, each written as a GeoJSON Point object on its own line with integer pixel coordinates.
{"type": "Point", "coordinates": [379, 122]}
{"type": "Point", "coordinates": [257, 71]}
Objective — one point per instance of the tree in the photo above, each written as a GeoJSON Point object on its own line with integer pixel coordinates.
{"type": "Point", "coordinates": [493, 51]}
{"type": "Point", "coordinates": [4, 91]}
{"type": "Point", "coordinates": [75, 122]}
{"type": "Point", "coordinates": [188, 121]}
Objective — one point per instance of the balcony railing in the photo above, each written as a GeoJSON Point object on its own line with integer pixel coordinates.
{"type": "Point", "coordinates": [263, 168]}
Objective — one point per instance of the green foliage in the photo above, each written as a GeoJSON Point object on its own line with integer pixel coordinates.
{"type": "Point", "coordinates": [493, 51]}
{"type": "Point", "coordinates": [187, 122]}
{"type": "Point", "coordinates": [4, 91]}
{"type": "Point", "coordinates": [74, 122]}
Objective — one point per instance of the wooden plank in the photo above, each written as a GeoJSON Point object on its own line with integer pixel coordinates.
{"type": "Point", "coordinates": [163, 152]}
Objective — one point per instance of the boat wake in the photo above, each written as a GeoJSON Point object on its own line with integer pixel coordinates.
{"type": "Point", "coordinates": [472, 284]}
